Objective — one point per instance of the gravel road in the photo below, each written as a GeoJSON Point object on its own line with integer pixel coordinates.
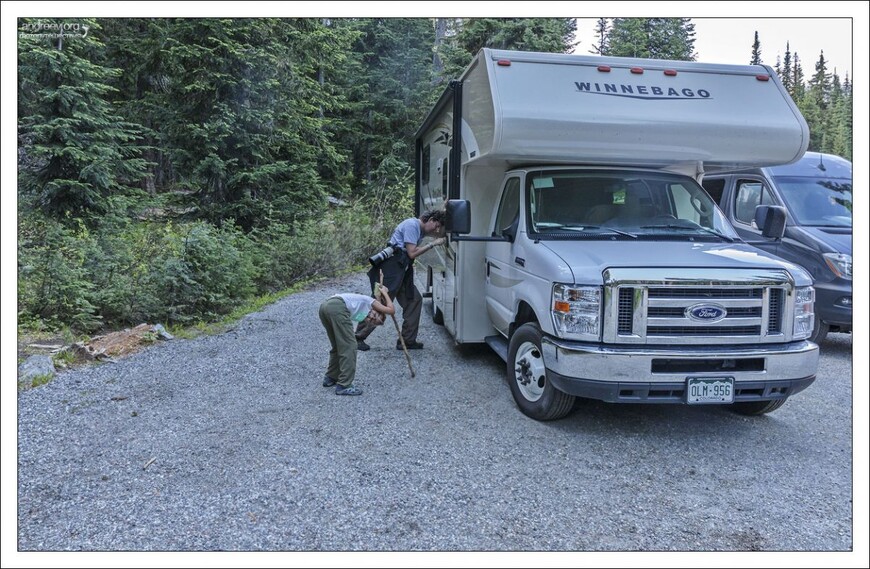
{"type": "Point", "coordinates": [230, 443]}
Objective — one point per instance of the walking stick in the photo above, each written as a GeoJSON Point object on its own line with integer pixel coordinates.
{"type": "Point", "coordinates": [399, 332]}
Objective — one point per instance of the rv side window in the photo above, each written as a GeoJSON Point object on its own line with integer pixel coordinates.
{"type": "Point", "coordinates": [509, 208]}
{"type": "Point", "coordinates": [424, 165]}
{"type": "Point", "coordinates": [749, 195]}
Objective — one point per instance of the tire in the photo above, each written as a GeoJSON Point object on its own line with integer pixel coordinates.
{"type": "Point", "coordinates": [437, 315]}
{"type": "Point", "coordinates": [757, 407]}
{"type": "Point", "coordinates": [820, 332]}
{"type": "Point", "coordinates": [534, 394]}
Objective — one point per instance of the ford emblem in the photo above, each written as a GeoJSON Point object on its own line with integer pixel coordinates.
{"type": "Point", "coordinates": [706, 313]}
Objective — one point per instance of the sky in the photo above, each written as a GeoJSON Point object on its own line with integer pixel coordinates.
{"type": "Point", "coordinates": [729, 40]}
{"type": "Point", "coordinates": [724, 33]}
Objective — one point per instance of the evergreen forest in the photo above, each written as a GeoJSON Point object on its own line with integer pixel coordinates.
{"type": "Point", "coordinates": [174, 169]}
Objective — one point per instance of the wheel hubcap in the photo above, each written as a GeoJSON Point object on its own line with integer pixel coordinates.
{"type": "Point", "coordinates": [529, 371]}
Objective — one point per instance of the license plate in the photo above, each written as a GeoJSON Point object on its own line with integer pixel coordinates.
{"type": "Point", "coordinates": [701, 390]}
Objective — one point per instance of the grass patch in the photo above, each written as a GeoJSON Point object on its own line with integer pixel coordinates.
{"type": "Point", "coordinates": [37, 380]}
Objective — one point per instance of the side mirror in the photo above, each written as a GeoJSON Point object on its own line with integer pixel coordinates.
{"type": "Point", "coordinates": [458, 218]}
{"type": "Point", "coordinates": [771, 220]}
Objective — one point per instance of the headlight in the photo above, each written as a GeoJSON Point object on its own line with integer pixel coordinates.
{"type": "Point", "coordinates": [840, 264]}
{"type": "Point", "coordinates": [577, 312]}
{"type": "Point", "coordinates": [804, 318]}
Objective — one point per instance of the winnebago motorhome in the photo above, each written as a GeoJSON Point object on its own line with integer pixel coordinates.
{"type": "Point", "coordinates": [583, 248]}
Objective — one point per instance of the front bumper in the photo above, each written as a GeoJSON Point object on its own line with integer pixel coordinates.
{"type": "Point", "coordinates": [650, 374]}
{"type": "Point", "coordinates": [829, 307]}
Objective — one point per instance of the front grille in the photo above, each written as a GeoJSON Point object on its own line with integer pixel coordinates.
{"type": "Point", "coordinates": [646, 306]}
{"type": "Point", "coordinates": [705, 293]}
{"type": "Point", "coordinates": [626, 302]}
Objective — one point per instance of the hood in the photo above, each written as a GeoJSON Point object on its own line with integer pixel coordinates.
{"type": "Point", "coordinates": [593, 257]}
{"type": "Point", "coordinates": [838, 239]}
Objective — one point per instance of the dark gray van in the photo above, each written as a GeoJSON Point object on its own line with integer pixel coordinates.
{"type": "Point", "coordinates": [817, 193]}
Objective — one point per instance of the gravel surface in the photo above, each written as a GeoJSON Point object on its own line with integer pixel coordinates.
{"type": "Point", "coordinates": [230, 443]}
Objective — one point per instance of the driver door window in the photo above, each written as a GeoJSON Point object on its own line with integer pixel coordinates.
{"type": "Point", "coordinates": [749, 195]}
{"type": "Point", "coordinates": [509, 208]}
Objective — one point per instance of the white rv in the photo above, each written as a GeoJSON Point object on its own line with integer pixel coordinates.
{"type": "Point", "coordinates": [583, 248]}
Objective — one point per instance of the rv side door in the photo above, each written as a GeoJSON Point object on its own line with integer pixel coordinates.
{"type": "Point", "coordinates": [500, 271]}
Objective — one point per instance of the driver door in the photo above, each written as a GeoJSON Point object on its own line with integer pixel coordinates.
{"type": "Point", "coordinates": [501, 274]}
{"type": "Point", "coordinates": [748, 194]}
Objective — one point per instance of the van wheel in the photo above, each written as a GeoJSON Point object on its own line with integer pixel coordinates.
{"type": "Point", "coordinates": [820, 332]}
{"type": "Point", "coordinates": [527, 376]}
{"type": "Point", "coordinates": [437, 315]}
{"type": "Point", "coordinates": [757, 407]}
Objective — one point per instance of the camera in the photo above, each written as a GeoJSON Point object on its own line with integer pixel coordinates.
{"type": "Point", "coordinates": [382, 255]}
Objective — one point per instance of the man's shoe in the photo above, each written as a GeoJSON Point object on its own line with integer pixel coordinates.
{"type": "Point", "coordinates": [328, 381]}
{"type": "Point", "coordinates": [362, 346]}
{"type": "Point", "coordinates": [411, 346]}
{"type": "Point", "coordinates": [349, 390]}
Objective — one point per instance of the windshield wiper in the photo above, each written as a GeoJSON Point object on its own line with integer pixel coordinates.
{"type": "Point", "coordinates": [612, 230]}
{"type": "Point", "coordinates": [685, 227]}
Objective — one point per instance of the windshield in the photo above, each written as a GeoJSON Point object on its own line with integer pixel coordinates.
{"type": "Point", "coordinates": [825, 202]}
{"type": "Point", "coordinates": [618, 203]}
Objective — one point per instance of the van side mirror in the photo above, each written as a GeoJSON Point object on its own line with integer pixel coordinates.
{"type": "Point", "coordinates": [771, 220]}
{"type": "Point", "coordinates": [458, 218]}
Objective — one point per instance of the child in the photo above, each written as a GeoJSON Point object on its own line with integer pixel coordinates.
{"type": "Point", "coordinates": [339, 314]}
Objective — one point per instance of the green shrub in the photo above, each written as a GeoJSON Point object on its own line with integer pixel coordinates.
{"type": "Point", "coordinates": [53, 282]}
{"type": "Point", "coordinates": [202, 272]}
{"type": "Point", "coordinates": [122, 271]}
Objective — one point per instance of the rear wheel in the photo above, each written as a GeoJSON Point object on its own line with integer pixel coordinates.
{"type": "Point", "coordinates": [757, 407]}
{"type": "Point", "coordinates": [527, 375]}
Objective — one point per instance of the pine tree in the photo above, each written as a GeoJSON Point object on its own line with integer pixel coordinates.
{"type": "Point", "coordinates": [841, 118]}
{"type": "Point", "coordinates": [797, 78]}
{"type": "Point", "coordinates": [248, 116]}
{"type": "Point", "coordinates": [786, 74]}
{"type": "Point", "coordinates": [756, 51]}
{"type": "Point", "coordinates": [655, 38]}
{"type": "Point", "coordinates": [820, 83]}
{"type": "Point", "coordinates": [390, 89]}
{"type": "Point", "coordinates": [553, 35]}
{"type": "Point", "coordinates": [602, 44]}
{"type": "Point", "coordinates": [81, 156]}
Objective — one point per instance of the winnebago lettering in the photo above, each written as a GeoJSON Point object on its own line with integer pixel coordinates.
{"type": "Point", "coordinates": [623, 90]}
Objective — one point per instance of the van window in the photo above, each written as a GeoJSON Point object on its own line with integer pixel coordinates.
{"type": "Point", "coordinates": [749, 195]}
{"type": "Point", "coordinates": [824, 202]}
{"type": "Point", "coordinates": [509, 208]}
{"type": "Point", "coordinates": [715, 187]}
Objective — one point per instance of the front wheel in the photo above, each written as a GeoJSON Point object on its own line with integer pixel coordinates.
{"type": "Point", "coordinates": [820, 331]}
{"type": "Point", "coordinates": [527, 376]}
